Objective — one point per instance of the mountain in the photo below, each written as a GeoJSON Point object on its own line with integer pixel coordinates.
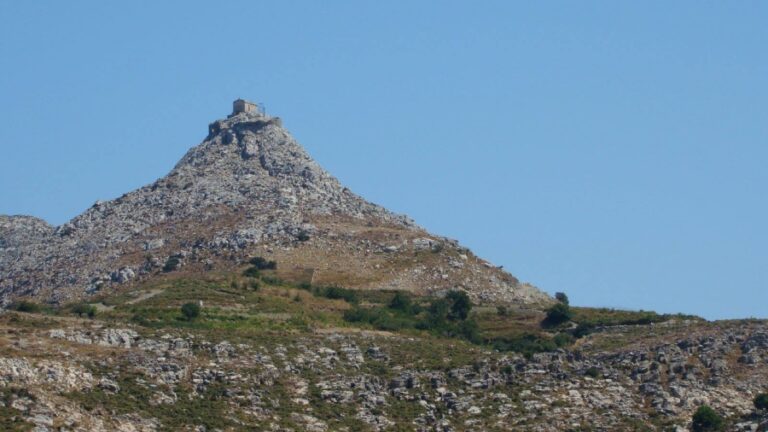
{"type": "Point", "coordinates": [248, 189]}
{"type": "Point", "coordinates": [248, 290]}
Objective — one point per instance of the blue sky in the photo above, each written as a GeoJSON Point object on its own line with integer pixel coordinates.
{"type": "Point", "coordinates": [616, 151]}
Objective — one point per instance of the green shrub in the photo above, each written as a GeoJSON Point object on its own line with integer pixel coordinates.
{"type": "Point", "coordinates": [390, 322]}
{"type": "Point", "coordinates": [338, 293]}
{"type": "Point", "coordinates": [502, 310]}
{"type": "Point", "coordinates": [593, 372]}
{"type": "Point", "coordinates": [272, 280]}
{"type": "Point", "coordinates": [761, 401]}
{"type": "Point", "coordinates": [302, 236]}
{"type": "Point", "coordinates": [254, 285]}
{"type": "Point", "coordinates": [26, 306]}
{"type": "Point", "coordinates": [190, 311]}
{"type": "Point", "coordinates": [171, 264]}
{"type": "Point", "coordinates": [262, 263]}
{"type": "Point", "coordinates": [526, 344]}
{"type": "Point", "coordinates": [84, 309]}
{"type": "Point", "coordinates": [469, 330]}
{"type": "Point", "coordinates": [379, 318]}
{"type": "Point", "coordinates": [562, 340]}
{"type": "Point", "coordinates": [583, 330]}
{"type": "Point", "coordinates": [401, 302]}
{"type": "Point", "coordinates": [557, 314]}
{"type": "Point", "coordinates": [562, 298]}
{"type": "Point", "coordinates": [705, 419]}
{"type": "Point", "coordinates": [437, 313]}
{"type": "Point", "coordinates": [460, 305]}
{"type": "Point", "coordinates": [359, 315]}
{"type": "Point", "coordinates": [252, 272]}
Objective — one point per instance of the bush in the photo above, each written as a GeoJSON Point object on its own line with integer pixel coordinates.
{"type": "Point", "coordinates": [527, 344]}
{"type": "Point", "coordinates": [562, 340]}
{"type": "Point", "coordinates": [502, 310]}
{"type": "Point", "coordinates": [171, 264]}
{"type": "Point", "coordinates": [262, 264]}
{"type": "Point", "coordinates": [272, 280]}
{"type": "Point", "coordinates": [252, 272]}
{"type": "Point", "coordinates": [460, 305]}
{"type": "Point", "coordinates": [254, 285]}
{"type": "Point", "coordinates": [592, 372]}
{"type": "Point", "coordinates": [338, 293]}
{"type": "Point", "coordinates": [358, 315]}
{"type": "Point", "coordinates": [761, 401]}
{"type": "Point", "coordinates": [26, 306]}
{"type": "Point", "coordinates": [559, 313]}
{"type": "Point", "coordinates": [401, 302]}
{"type": "Point", "coordinates": [190, 311]}
{"type": "Point", "coordinates": [302, 236]}
{"type": "Point", "coordinates": [84, 309]}
{"type": "Point", "coordinates": [562, 298]}
{"type": "Point", "coordinates": [583, 330]}
{"type": "Point", "coordinates": [379, 318]}
{"type": "Point", "coordinates": [469, 330]}
{"type": "Point", "coordinates": [437, 314]}
{"type": "Point", "coordinates": [705, 419]}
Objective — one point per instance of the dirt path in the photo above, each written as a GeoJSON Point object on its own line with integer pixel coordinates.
{"type": "Point", "coordinates": [146, 295]}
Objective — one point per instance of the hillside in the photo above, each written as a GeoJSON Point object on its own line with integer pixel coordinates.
{"type": "Point", "coordinates": [264, 354]}
{"type": "Point", "coordinates": [249, 290]}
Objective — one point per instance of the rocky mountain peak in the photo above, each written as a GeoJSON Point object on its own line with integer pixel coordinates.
{"type": "Point", "coordinates": [248, 188]}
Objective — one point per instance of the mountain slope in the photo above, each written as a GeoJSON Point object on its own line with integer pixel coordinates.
{"type": "Point", "coordinates": [248, 189]}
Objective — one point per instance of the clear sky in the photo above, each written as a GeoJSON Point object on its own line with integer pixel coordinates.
{"type": "Point", "coordinates": [617, 151]}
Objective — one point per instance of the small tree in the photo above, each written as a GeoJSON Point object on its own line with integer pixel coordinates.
{"type": "Point", "coordinates": [437, 313]}
{"type": "Point", "coordinates": [705, 419]}
{"type": "Point", "coordinates": [558, 314]}
{"type": "Point", "coordinates": [190, 311]}
{"type": "Point", "coordinates": [562, 298]}
{"type": "Point", "coordinates": [460, 305]}
{"type": "Point", "coordinates": [761, 401]}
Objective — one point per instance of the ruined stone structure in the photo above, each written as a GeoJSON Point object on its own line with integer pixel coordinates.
{"type": "Point", "coordinates": [242, 105]}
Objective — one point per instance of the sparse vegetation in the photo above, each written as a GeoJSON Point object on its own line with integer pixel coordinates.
{"type": "Point", "coordinates": [26, 306]}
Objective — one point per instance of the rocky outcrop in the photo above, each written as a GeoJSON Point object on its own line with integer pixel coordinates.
{"type": "Point", "coordinates": [321, 382]}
